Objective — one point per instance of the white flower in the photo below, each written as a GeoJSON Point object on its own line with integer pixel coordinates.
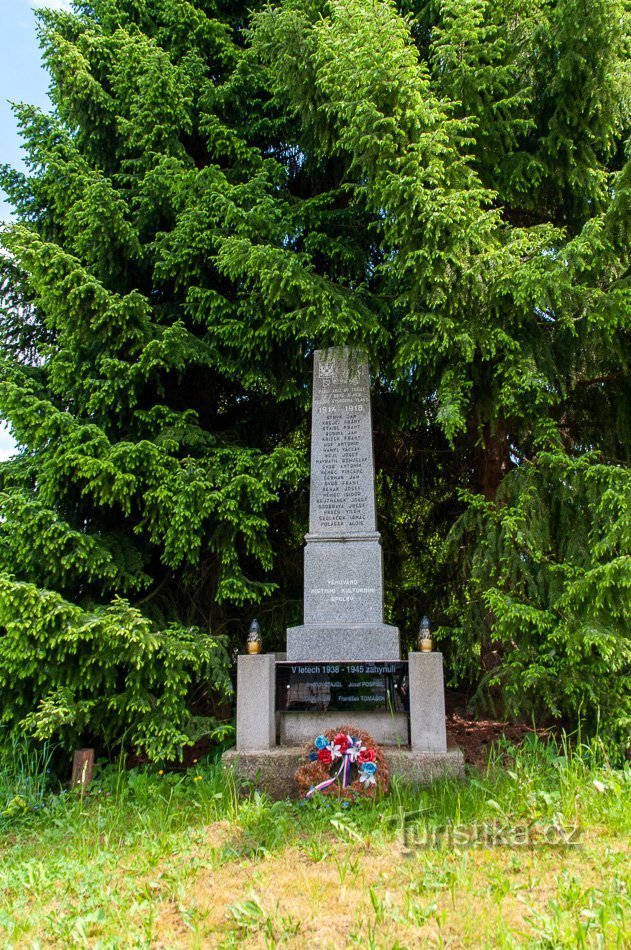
{"type": "Point", "coordinates": [354, 749]}
{"type": "Point", "coordinates": [367, 778]}
{"type": "Point", "coordinates": [334, 750]}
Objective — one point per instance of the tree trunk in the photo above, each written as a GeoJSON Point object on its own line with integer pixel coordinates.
{"type": "Point", "coordinates": [493, 463]}
{"type": "Point", "coordinates": [493, 459]}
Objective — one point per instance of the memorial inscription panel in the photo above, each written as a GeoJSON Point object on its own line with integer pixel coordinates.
{"type": "Point", "coordinates": [342, 498]}
{"type": "Point", "coordinates": [343, 687]}
{"type": "Point", "coordinates": [343, 582]}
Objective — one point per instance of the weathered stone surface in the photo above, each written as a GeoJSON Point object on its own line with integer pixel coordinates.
{"type": "Point", "coordinates": [273, 771]}
{"type": "Point", "coordinates": [358, 642]}
{"type": "Point", "coordinates": [419, 768]}
{"type": "Point", "coordinates": [256, 697]}
{"type": "Point", "coordinates": [342, 494]}
{"type": "Point", "coordinates": [427, 702]}
{"type": "Point", "coordinates": [386, 728]}
{"type": "Point", "coordinates": [343, 581]}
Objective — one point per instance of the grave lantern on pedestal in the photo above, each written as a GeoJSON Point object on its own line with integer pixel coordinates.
{"type": "Point", "coordinates": [255, 641]}
{"type": "Point", "coordinates": [425, 642]}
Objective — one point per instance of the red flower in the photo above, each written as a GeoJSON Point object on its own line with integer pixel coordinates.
{"type": "Point", "coordinates": [366, 755]}
{"type": "Point", "coordinates": [325, 756]}
{"type": "Point", "coordinates": [342, 741]}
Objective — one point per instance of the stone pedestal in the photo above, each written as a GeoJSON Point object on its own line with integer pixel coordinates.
{"type": "Point", "coordinates": [427, 702]}
{"type": "Point", "coordinates": [256, 694]}
{"type": "Point", "coordinates": [359, 642]}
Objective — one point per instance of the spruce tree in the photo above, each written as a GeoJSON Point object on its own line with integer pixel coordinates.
{"type": "Point", "coordinates": [219, 190]}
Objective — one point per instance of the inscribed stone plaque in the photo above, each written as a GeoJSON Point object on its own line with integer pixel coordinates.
{"type": "Point", "coordinates": [343, 582]}
{"type": "Point", "coordinates": [342, 500]}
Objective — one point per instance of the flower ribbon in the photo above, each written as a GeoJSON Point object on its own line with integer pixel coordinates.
{"type": "Point", "coordinates": [328, 781]}
{"type": "Point", "coordinates": [347, 771]}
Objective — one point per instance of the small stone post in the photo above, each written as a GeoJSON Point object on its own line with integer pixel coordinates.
{"type": "Point", "coordinates": [427, 702]}
{"type": "Point", "coordinates": [82, 765]}
{"type": "Point", "coordinates": [256, 687]}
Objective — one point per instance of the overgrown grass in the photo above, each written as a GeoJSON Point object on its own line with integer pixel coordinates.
{"type": "Point", "coordinates": [181, 859]}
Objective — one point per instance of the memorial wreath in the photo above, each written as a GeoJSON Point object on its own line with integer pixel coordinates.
{"type": "Point", "coordinates": [345, 762]}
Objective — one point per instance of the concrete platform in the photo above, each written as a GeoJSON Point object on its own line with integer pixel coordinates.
{"type": "Point", "coordinates": [273, 770]}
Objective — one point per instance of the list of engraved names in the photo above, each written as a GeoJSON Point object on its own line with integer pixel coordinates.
{"type": "Point", "coordinates": [342, 493]}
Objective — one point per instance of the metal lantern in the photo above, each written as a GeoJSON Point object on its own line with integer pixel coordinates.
{"type": "Point", "coordinates": [255, 641]}
{"type": "Point", "coordinates": [425, 642]}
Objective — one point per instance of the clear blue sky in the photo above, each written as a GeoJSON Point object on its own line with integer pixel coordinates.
{"type": "Point", "coordinates": [22, 79]}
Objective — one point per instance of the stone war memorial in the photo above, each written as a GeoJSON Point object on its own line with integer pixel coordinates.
{"type": "Point", "coordinates": [343, 665]}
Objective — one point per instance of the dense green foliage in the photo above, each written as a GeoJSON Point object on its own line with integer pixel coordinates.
{"type": "Point", "coordinates": [223, 187]}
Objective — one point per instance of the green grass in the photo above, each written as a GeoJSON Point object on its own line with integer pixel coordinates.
{"type": "Point", "coordinates": [180, 859]}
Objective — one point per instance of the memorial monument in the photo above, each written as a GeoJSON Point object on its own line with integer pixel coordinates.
{"type": "Point", "coordinates": [343, 586]}
{"type": "Point", "coordinates": [343, 664]}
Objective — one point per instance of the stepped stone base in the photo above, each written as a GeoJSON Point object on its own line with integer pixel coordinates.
{"type": "Point", "coordinates": [273, 770]}
{"type": "Point", "coordinates": [348, 643]}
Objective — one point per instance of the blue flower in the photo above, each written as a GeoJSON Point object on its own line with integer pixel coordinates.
{"type": "Point", "coordinates": [369, 767]}
{"type": "Point", "coordinates": [321, 742]}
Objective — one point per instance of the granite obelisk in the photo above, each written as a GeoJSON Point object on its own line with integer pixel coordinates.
{"type": "Point", "coordinates": [343, 581]}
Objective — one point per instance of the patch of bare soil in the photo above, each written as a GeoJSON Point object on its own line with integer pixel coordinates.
{"type": "Point", "coordinates": [476, 736]}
